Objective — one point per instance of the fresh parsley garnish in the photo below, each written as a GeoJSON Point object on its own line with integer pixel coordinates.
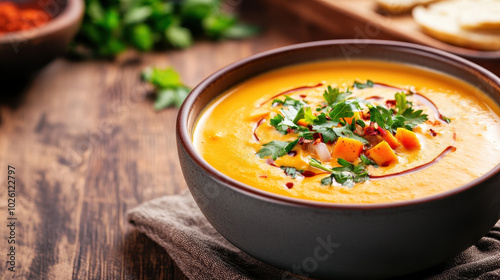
{"type": "Point", "coordinates": [276, 149]}
{"type": "Point", "coordinates": [344, 109]}
{"type": "Point", "coordinates": [290, 171]}
{"type": "Point", "coordinates": [389, 119]}
{"type": "Point", "coordinates": [333, 95]}
{"type": "Point", "coordinates": [347, 174]}
{"type": "Point", "coordinates": [168, 86]}
{"type": "Point", "coordinates": [297, 104]}
{"type": "Point", "coordinates": [360, 85]}
{"type": "Point", "coordinates": [109, 27]}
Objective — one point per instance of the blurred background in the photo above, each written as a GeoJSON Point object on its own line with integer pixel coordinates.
{"type": "Point", "coordinates": [89, 99]}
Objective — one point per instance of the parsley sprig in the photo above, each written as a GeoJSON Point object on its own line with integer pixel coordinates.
{"type": "Point", "coordinates": [168, 87]}
{"type": "Point", "coordinates": [276, 149]}
{"type": "Point", "coordinates": [325, 123]}
{"type": "Point", "coordinates": [405, 116]}
{"type": "Point", "coordinates": [109, 27]}
{"type": "Point", "coordinates": [347, 174]}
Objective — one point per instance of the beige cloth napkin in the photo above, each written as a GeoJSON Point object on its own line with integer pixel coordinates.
{"type": "Point", "coordinates": [176, 223]}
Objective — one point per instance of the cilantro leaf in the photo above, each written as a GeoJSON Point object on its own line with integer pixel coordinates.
{"type": "Point", "coordinates": [345, 131]}
{"type": "Point", "coordinates": [413, 118]}
{"type": "Point", "coordinates": [333, 95]}
{"type": "Point", "coordinates": [297, 104]}
{"type": "Point", "coordinates": [387, 119]}
{"type": "Point", "coordinates": [109, 27]}
{"type": "Point", "coordinates": [276, 149]}
{"type": "Point", "coordinates": [290, 171]}
{"type": "Point", "coordinates": [367, 161]}
{"type": "Point", "coordinates": [344, 109]}
{"type": "Point", "coordinates": [170, 96]}
{"type": "Point", "coordinates": [347, 174]}
{"type": "Point", "coordinates": [359, 85]}
{"type": "Point", "coordinates": [169, 88]}
{"type": "Point", "coordinates": [401, 103]}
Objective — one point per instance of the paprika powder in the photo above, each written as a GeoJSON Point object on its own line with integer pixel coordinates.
{"type": "Point", "coordinates": [15, 17]}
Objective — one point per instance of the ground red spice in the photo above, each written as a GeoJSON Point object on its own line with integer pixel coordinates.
{"type": "Point", "coordinates": [16, 18]}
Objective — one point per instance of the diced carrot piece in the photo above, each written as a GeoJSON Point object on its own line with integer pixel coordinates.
{"type": "Point", "coordinates": [391, 140]}
{"type": "Point", "coordinates": [347, 148]}
{"type": "Point", "coordinates": [408, 138]}
{"type": "Point", "coordinates": [382, 154]}
{"type": "Point", "coordinates": [302, 122]}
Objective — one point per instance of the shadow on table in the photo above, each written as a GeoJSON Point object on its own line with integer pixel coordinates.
{"type": "Point", "coordinates": [13, 91]}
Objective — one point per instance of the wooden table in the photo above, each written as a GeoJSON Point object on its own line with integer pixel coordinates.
{"type": "Point", "coordinates": [87, 146]}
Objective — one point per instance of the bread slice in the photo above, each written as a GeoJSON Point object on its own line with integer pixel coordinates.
{"type": "Point", "coordinates": [443, 21]}
{"type": "Point", "coordinates": [481, 15]}
{"type": "Point", "coordinates": [401, 6]}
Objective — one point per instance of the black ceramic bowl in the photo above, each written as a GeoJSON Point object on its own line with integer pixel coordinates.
{"type": "Point", "coordinates": [330, 240]}
{"type": "Point", "coordinates": [22, 53]}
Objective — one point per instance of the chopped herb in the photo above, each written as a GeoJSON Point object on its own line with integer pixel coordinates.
{"type": "Point", "coordinates": [389, 120]}
{"type": "Point", "coordinates": [334, 96]}
{"type": "Point", "coordinates": [290, 171]}
{"type": "Point", "coordinates": [359, 85]}
{"type": "Point", "coordinates": [276, 149]}
{"type": "Point", "coordinates": [347, 174]}
{"type": "Point", "coordinates": [109, 27]}
{"type": "Point", "coordinates": [400, 102]}
{"type": "Point", "coordinates": [345, 131]}
{"type": "Point", "coordinates": [297, 104]}
{"type": "Point", "coordinates": [169, 88]}
{"type": "Point", "coordinates": [344, 109]}
{"type": "Point", "coordinates": [447, 120]}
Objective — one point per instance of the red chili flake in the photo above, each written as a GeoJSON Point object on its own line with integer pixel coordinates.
{"type": "Point", "coordinates": [289, 130]}
{"type": "Point", "coordinates": [303, 96]}
{"type": "Point", "coordinates": [390, 103]}
{"type": "Point", "coordinates": [381, 131]}
{"type": "Point", "coordinates": [365, 116]}
{"type": "Point", "coordinates": [263, 176]}
{"type": "Point", "coordinates": [317, 137]}
{"type": "Point", "coordinates": [371, 131]}
{"type": "Point", "coordinates": [270, 161]}
{"type": "Point", "coordinates": [437, 123]}
{"type": "Point", "coordinates": [292, 153]}
{"type": "Point", "coordinates": [432, 132]}
{"type": "Point", "coordinates": [289, 185]}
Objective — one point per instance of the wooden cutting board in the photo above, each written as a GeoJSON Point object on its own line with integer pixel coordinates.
{"type": "Point", "coordinates": [362, 19]}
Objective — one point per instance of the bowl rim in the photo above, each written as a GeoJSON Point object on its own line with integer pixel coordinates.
{"type": "Point", "coordinates": [184, 136]}
{"type": "Point", "coordinates": [73, 11]}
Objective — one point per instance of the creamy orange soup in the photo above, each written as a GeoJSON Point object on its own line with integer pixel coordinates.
{"type": "Point", "coordinates": [458, 140]}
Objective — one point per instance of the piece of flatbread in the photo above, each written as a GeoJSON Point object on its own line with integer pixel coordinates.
{"type": "Point", "coordinates": [443, 21]}
{"type": "Point", "coordinates": [401, 6]}
{"type": "Point", "coordinates": [480, 15]}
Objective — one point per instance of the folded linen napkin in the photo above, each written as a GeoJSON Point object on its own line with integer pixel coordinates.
{"type": "Point", "coordinates": [176, 223]}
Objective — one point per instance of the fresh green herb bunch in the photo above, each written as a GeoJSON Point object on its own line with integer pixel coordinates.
{"type": "Point", "coordinates": [109, 27]}
{"type": "Point", "coordinates": [168, 87]}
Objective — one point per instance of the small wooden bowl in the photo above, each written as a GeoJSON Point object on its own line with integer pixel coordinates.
{"type": "Point", "coordinates": [25, 52]}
